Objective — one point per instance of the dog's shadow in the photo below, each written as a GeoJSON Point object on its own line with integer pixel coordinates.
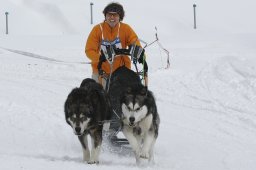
{"type": "Point", "coordinates": [104, 162]}
{"type": "Point", "coordinates": [64, 158]}
{"type": "Point", "coordinates": [53, 158]}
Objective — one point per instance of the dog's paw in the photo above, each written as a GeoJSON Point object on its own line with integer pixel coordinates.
{"type": "Point", "coordinates": [144, 155]}
{"type": "Point", "coordinates": [93, 162]}
{"type": "Point", "coordinates": [86, 156]}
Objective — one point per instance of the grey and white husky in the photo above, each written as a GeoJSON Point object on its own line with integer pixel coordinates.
{"type": "Point", "coordinates": [140, 121]}
{"type": "Point", "coordinates": [136, 107]}
{"type": "Point", "coordinates": [86, 109]}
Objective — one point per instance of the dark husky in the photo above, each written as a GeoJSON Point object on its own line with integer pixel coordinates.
{"type": "Point", "coordinates": [86, 109]}
{"type": "Point", "coordinates": [138, 112]}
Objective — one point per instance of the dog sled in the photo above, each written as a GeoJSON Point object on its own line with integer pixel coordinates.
{"type": "Point", "coordinates": [108, 54]}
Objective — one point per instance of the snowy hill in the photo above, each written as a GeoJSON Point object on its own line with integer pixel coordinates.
{"type": "Point", "coordinates": [206, 100]}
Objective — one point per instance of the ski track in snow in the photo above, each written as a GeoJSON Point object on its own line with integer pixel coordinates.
{"type": "Point", "coordinates": [37, 56]}
{"type": "Point", "coordinates": [213, 91]}
{"type": "Point", "coordinates": [32, 55]}
{"type": "Point", "coordinates": [197, 100]}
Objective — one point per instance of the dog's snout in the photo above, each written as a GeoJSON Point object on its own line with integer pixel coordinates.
{"type": "Point", "coordinates": [77, 129]}
{"type": "Point", "coordinates": [132, 119]}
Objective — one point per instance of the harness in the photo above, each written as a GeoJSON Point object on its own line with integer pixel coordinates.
{"type": "Point", "coordinates": [105, 44]}
{"type": "Point", "coordinates": [108, 42]}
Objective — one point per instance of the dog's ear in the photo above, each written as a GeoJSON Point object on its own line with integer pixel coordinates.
{"type": "Point", "coordinates": [68, 122]}
{"type": "Point", "coordinates": [86, 82]}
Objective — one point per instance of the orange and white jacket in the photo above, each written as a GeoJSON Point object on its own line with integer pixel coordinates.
{"type": "Point", "coordinates": [92, 49]}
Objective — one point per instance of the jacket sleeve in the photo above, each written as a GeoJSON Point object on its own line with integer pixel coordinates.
{"type": "Point", "coordinates": [132, 37]}
{"type": "Point", "coordinates": [92, 47]}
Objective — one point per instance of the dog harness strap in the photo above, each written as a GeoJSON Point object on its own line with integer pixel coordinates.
{"type": "Point", "coordinates": [107, 47]}
{"type": "Point", "coordinates": [116, 42]}
{"type": "Point", "coordinates": [102, 36]}
{"type": "Point", "coordinates": [118, 30]}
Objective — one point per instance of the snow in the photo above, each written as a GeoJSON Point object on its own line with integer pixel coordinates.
{"type": "Point", "coordinates": [206, 100]}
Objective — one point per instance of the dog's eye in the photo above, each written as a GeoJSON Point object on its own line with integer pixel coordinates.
{"type": "Point", "coordinates": [82, 116]}
{"type": "Point", "coordinates": [72, 117]}
{"type": "Point", "coordinates": [128, 108]}
{"type": "Point", "coordinates": [138, 109]}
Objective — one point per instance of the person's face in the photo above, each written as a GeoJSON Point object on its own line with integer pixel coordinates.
{"type": "Point", "coordinates": [112, 18]}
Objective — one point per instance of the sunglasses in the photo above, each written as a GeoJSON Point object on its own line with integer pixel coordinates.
{"type": "Point", "coordinates": [114, 14]}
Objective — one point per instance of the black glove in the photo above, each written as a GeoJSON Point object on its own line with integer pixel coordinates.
{"type": "Point", "coordinates": [145, 68]}
{"type": "Point", "coordinates": [136, 53]}
{"type": "Point", "coordinates": [102, 57]}
{"type": "Point", "coordinates": [134, 60]}
{"type": "Point", "coordinates": [141, 58]}
{"type": "Point", "coordinates": [101, 72]}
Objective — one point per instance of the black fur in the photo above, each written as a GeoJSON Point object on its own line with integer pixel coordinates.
{"type": "Point", "coordinates": [89, 101]}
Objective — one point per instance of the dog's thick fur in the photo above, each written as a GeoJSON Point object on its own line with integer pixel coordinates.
{"type": "Point", "coordinates": [86, 109]}
{"type": "Point", "coordinates": [140, 119]}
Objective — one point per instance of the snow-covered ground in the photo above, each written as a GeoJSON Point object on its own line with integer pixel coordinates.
{"type": "Point", "coordinates": [206, 100]}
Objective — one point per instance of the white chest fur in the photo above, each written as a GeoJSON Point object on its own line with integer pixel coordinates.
{"type": "Point", "coordinates": [146, 123]}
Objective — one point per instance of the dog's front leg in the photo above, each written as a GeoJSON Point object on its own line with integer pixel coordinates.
{"type": "Point", "coordinates": [84, 142]}
{"type": "Point", "coordinates": [128, 133]}
{"type": "Point", "coordinates": [151, 152]}
{"type": "Point", "coordinates": [148, 146]}
{"type": "Point", "coordinates": [96, 140]}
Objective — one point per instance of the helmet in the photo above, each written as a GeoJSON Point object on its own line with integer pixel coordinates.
{"type": "Point", "coordinates": [114, 7]}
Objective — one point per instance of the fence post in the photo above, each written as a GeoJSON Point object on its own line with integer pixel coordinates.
{"type": "Point", "coordinates": [91, 13]}
{"type": "Point", "coordinates": [194, 5]}
{"type": "Point", "coordinates": [6, 19]}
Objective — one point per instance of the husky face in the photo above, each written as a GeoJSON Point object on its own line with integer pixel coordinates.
{"type": "Point", "coordinates": [79, 117]}
{"type": "Point", "coordinates": [133, 105]}
{"type": "Point", "coordinates": [133, 113]}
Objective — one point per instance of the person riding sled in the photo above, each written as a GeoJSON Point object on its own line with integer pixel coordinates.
{"type": "Point", "coordinates": [108, 36]}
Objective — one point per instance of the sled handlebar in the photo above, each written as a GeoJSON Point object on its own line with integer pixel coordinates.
{"type": "Point", "coordinates": [112, 52]}
{"type": "Point", "coordinates": [124, 51]}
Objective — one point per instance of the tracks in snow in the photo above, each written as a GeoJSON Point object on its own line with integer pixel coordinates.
{"type": "Point", "coordinates": [37, 56]}
{"type": "Point", "coordinates": [224, 89]}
